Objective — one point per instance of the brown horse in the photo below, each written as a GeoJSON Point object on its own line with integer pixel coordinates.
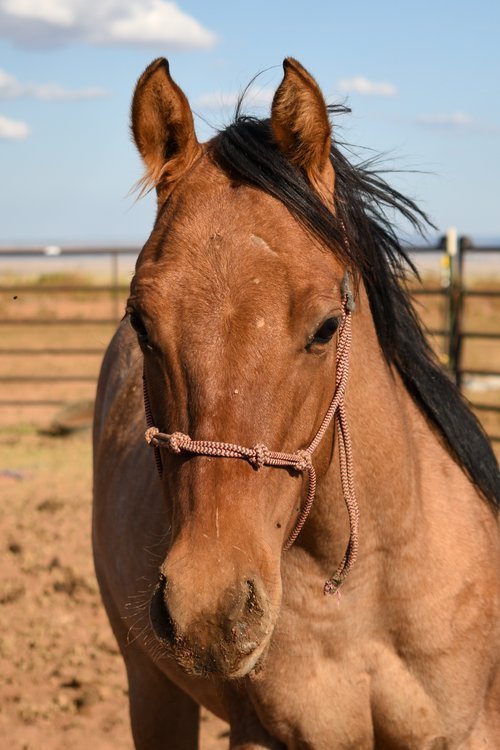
{"type": "Point", "coordinates": [239, 316]}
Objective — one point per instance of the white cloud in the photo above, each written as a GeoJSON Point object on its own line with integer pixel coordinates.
{"type": "Point", "coordinates": [455, 120]}
{"type": "Point", "coordinates": [12, 130]}
{"type": "Point", "coordinates": [49, 23]}
{"type": "Point", "coordinates": [49, 11]}
{"type": "Point", "coordinates": [11, 88]}
{"type": "Point", "coordinates": [254, 97]}
{"type": "Point", "coordinates": [361, 85]}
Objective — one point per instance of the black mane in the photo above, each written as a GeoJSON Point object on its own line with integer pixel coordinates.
{"type": "Point", "coordinates": [247, 153]}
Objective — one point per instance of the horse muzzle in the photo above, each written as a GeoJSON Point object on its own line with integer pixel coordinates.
{"type": "Point", "coordinates": [228, 640]}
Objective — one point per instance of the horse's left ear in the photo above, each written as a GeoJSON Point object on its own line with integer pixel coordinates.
{"type": "Point", "coordinates": [301, 128]}
{"type": "Point", "coordinates": [163, 128]}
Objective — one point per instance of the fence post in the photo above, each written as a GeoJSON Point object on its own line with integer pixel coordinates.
{"type": "Point", "coordinates": [455, 301]}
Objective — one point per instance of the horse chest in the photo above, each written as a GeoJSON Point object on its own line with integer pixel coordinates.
{"type": "Point", "coordinates": [366, 700]}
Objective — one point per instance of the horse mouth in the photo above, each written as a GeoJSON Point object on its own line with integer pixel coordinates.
{"type": "Point", "coordinates": [200, 662]}
{"type": "Point", "coordinates": [251, 664]}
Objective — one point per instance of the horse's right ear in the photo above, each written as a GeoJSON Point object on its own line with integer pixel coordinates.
{"type": "Point", "coordinates": [163, 128]}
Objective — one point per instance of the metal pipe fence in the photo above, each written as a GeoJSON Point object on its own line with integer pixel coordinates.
{"type": "Point", "coordinates": [453, 290]}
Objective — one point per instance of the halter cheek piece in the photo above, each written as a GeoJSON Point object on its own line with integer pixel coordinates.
{"type": "Point", "coordinates": [301, 460]}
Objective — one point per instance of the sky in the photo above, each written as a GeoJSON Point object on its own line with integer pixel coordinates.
{"type": "Point", "coordinates": [422, 80]}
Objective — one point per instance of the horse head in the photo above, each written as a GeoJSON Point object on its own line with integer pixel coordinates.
{"type": "Point", "coordinates": [236, 306]}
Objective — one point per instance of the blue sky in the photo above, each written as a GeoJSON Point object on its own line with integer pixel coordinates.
{"type": "Point", "coordinates": [422, 80]}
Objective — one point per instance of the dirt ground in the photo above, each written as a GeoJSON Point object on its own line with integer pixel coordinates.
{"type": "Point", "coordinates": [62, 679]}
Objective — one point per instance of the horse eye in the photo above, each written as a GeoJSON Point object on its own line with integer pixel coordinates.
{"type": "Point", "coordinates": [139, 327]}
{"type": "Point", "coordinates": [325, 332]}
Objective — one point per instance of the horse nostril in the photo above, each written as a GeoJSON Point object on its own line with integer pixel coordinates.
{"type": "Point", "coordinates": [159, 616]}
{"type": "Point", "coordinates": [246, 624]}
{"type": "Point", "coordinates": [253, 604]}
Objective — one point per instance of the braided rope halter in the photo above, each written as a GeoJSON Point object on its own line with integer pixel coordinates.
{"type": "Point", "coordinates": [300, 460]}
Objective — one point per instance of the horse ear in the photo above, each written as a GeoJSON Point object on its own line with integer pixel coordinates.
{"type": "Point", "coordinates": [301, 128]}
{"type": "Point", "coordinates": [163, 128]}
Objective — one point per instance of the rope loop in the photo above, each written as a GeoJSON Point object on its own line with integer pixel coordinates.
{"type": "Point", "coordinates": [151, 434]}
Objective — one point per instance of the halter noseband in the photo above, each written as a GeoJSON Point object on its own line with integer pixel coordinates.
{"type": "Point", "coordinates": [300, 460]}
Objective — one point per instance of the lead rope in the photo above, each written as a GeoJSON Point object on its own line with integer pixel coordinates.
{"type": "Point", "coordinates": [300, 460]}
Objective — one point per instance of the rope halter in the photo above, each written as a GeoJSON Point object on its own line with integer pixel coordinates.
{"type": "Point", "coordinates": [300, 460]}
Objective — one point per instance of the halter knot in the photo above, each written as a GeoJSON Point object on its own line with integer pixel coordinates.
{"type": "Point", "coordinates": [333, 585]}
{"type": "Point", "coordinates": [177, 441]}
{"type": "Point", "coordinates": [305, 460]}
{"type": "Point", "coordinates": [260, 456]}
{"type": "Point", "coordinates": [150, 434]}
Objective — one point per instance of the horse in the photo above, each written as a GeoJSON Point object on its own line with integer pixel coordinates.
{"type": "Point", "coordinates": [315, 556]}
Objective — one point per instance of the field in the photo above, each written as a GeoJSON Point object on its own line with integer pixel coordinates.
{"type": "Point", "coordinates": [63, 681]}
